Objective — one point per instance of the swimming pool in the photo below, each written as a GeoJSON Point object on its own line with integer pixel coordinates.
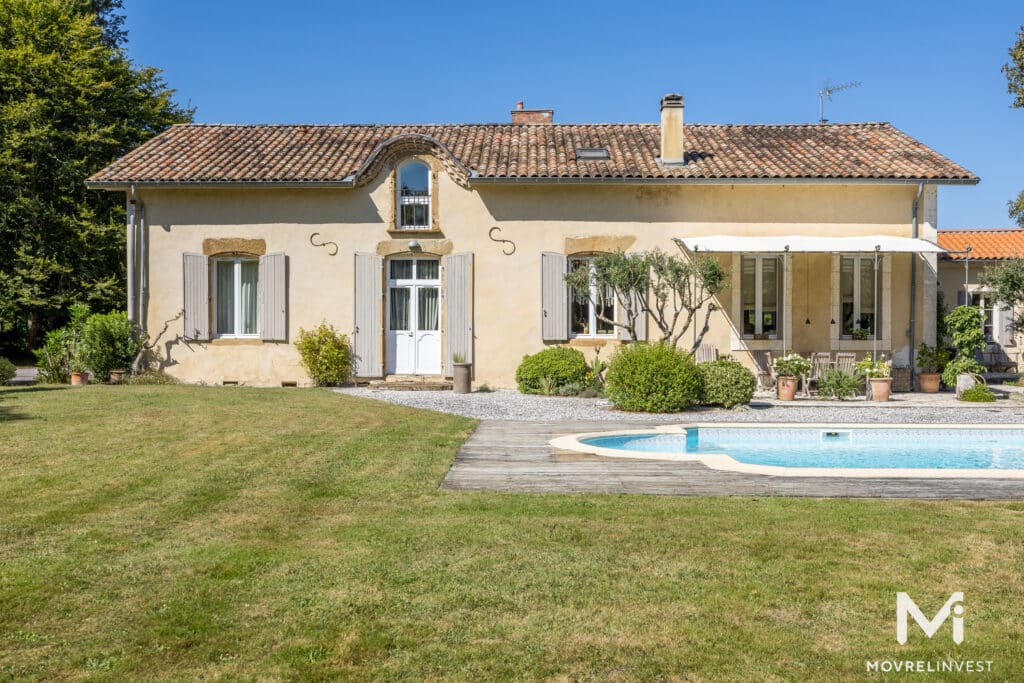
{"type": "Point", "coordinates": [824, 450]}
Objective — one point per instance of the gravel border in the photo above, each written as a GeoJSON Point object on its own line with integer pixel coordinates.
{"type": "Point", "coordinates": [511, 405]}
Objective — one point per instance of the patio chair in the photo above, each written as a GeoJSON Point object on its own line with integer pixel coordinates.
{"type": "Point", "coordinates": [706, 353]}
{"type": "Point", "coordinates": [845, 360]}
{"type": "Point", "coordinates": [765, 371]}
{"type": "Point", "coordinates": [821, 361]}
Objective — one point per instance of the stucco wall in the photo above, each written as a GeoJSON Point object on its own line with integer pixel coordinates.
{"type": "Point", "coordinates": [507, 289]}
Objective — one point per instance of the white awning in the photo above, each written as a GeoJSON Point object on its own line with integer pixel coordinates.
{"type": "Point", "coordinates": [809, 243]}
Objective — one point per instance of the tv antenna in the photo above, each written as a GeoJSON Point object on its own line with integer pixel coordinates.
{"type": "Point", "coordinates": [826, 91]}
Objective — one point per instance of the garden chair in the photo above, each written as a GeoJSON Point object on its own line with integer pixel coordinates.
{"type": "Point", "coordinates": [821, 362]}
{"type": "Point", "coordinates": [765, 371]}
{"type": "Point", "coordinates": [707, 353]}
{"type": "Point", "coordinates": [845, 360]}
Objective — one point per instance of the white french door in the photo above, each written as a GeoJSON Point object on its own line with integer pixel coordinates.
{"type": "Point", "coordinates": [414, 317]}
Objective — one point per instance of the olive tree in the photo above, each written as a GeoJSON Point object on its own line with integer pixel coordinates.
{"type": "Point", "coordinates": [673, 290]}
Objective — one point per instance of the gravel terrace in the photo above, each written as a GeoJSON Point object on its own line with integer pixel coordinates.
{"type": "Point", "coordinates": [511, 405]}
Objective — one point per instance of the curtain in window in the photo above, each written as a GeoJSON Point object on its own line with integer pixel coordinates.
{"type": "Point", "coordinates": [398, 318]}
{"type": "Point", "coordinates": [770, 272]}
{"type": "Point", "coordinates": [846, 294]}
{"type": "Point", "coordinates": [748, 294]}
{"type": "Point", "coordinates": [428, 309]}
{"type": "Point", "coordinates": [250, 276]}
{"type": "Point", "coordinates": [427, 270]}
{"type": "Point", "coordinates": [225, 284]}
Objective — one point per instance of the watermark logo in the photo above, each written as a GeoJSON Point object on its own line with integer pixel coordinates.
{"type": "Point", "coordinates": [905, 606]}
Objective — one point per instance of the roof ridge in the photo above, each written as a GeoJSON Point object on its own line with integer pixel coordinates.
{"type": "Point", "coordinates": [851, 124]}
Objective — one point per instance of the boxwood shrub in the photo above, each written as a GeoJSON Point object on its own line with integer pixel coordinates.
{"type": "Point", "coordinates": [325, 355]}
{"type": "Point", "coordinates": [727, 383]}
{"type": "Point", "coordinates": [653, 378]}
{"type": "Point", "coordinates": [551, 369]}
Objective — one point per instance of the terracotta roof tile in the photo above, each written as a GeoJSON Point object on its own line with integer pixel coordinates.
{"type": "Point", "coordinates": [1000, 243]}
{"type": "Point", "coordinates": [334, 153]}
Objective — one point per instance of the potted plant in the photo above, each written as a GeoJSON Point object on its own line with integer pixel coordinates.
{"type": "Point", "coordinates": [117, 376]}
{"type": "Point", "coordinates": [788, 370]}
{"type": "Point", "coordinates": [932, 360]}
{"type": "Point", "coordinates": [79, 373]}
{"type": "Point", "coordinates": [879, 376]}
{"type": "Point", "coordinates": [462, 374]}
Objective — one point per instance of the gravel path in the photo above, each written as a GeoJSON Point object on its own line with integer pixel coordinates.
{"type": "Point", "coordinates": [511, 405]}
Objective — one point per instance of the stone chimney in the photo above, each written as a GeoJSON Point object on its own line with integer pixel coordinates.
{"type": "Point", "coordinates": [520, 115]}
{"type": "Point", "coordinates": [672, 149]}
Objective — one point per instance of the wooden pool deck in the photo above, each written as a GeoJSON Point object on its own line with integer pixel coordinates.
{"type": "Point", "coordinates": [514, 456]}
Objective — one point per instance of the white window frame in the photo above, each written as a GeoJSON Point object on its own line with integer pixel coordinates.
{"type": "Point", "coordinates": [884, 343]}
{"type": "Point", "coordinates": [591, 309]}
{"type": "Point", "coordinates": [401, 201]}
{"type": "Point", "coordinates": [759, 295]}
{"type": "Point", "coordinates": [237, 284]}
{"type": "Point", "coordinates": [987, 303]}
{"type": "Point", "coordinates": [859, 261]}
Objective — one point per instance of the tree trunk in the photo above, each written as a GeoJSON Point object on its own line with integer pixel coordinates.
{"type": "Point", "coordinates": [35, 330]}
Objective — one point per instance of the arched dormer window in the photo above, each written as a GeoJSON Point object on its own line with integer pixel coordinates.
{"type": "Point", "coordinates": [413, 196]}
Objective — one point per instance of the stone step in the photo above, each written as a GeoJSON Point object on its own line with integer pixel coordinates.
{"type": "Point", "coordinates": [411, 384]}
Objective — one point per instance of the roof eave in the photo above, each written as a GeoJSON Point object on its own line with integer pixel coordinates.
{"type": "Point", "coordinates": [349, 182]}
{"type": "Point", "coordinates": [123, 185]}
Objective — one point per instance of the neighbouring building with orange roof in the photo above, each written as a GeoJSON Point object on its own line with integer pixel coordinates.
{"type": "Point", "coordinates": [969, 252]}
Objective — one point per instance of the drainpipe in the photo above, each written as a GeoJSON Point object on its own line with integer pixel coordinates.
{"type": "Point", "coordinates": [913, 287]}
{"type": "Point", "coordinates": [130, 253]}
{"type": "Point", "coordinates": [143, 267]}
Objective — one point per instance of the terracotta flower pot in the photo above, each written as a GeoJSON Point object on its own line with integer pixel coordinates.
{"type": "Point", "coordinates": [787, 388]}
{"type": "Point", "coordinates": [929, 382]}
{"type": "Point", "coordinates": [881, 387]}
{"type": "Point", "coordinates": [462, 375]}
{"type": "Point", "coordinates": [79, 379]}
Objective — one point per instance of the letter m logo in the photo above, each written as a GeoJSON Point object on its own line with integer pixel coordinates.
{"type": "Point", "coordinates": [906, 606]}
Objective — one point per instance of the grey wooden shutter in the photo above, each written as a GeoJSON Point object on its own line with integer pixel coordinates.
{"type": "Point", "coordinates": [554, 324]}
{"type": "Point", "coordinates": [458, 306]}
{"type": "Point", "coordinates": [196, 318]}
{"type": "Point", "coordinates": [1002, 323]}
{"type": "Point", "coordinates": [273, 286]}
{"type": "Point", "coordinates": [369, 328]}
{"type": "Point", "coordinates": [961, 297]}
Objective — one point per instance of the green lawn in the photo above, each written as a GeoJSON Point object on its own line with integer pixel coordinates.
{"type": "Point", "coordinates": [177, 532]}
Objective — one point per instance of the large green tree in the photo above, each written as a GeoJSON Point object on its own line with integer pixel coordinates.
{"type": "Point", "coordinates": [1014, 70]}
{"type": "Point", "coordinates": [70, 102]}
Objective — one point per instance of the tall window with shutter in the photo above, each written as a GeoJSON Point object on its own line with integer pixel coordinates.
{"type": "Point", "coordinates": [235, 297]}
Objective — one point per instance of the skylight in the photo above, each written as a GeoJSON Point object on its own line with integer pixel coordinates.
{"type": "Point", "coordinates": [592, 153]}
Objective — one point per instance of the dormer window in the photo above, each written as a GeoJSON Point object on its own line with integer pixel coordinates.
{"type": "Point", "coordinates": [413, 196]}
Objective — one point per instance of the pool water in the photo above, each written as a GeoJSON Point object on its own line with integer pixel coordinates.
{"type": "Point", "coordinates": [857, 447]}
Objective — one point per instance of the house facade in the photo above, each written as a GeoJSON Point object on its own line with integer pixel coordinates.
{"type": "Point", "coordinates": [968, 254]}
{"type": "Point", "coordinates": [423, 242]}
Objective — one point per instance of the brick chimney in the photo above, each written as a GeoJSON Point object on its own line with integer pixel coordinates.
{"type": "Point", "coordinates": [520, 115]}
{"type": "Point", "coordinates": [672, 149]}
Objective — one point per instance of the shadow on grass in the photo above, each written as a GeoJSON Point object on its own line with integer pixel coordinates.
{"type": "Point", "coordinates": [10, 413]}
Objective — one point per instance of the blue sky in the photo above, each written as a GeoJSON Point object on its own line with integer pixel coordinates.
{"type": "Point", "coordinates": [932, 69]}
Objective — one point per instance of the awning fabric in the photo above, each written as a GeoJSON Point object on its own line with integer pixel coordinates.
{"type": "Point", "coordinates": [809, 243]}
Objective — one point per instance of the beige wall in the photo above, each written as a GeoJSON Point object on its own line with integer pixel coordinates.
{"type": "Point", "coordinates": [507, 288]}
